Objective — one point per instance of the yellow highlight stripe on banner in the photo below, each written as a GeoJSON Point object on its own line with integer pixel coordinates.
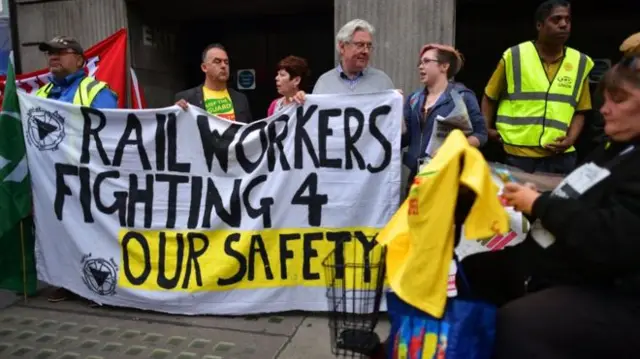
{"type": "Point", "coordinates": [192, 261]}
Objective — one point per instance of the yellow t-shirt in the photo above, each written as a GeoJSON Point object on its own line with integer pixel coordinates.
{"type": "Point", "coordinates": [219, 103]}
{"type": "Point", "coordinates": [420, 236]}
{"type": "Point", "coordinates": [497, 86]}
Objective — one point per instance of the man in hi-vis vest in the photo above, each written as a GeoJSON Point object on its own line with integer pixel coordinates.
{"type": "Point", "coordinates": [540, 89]}
{"type": "Point", "coordinates": [68, 81]}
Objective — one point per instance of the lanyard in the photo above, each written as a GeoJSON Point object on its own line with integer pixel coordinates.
{"type": "Point", "coordinates": [620, 157]}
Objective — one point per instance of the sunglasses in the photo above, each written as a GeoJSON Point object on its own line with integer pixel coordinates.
{"type": "Point", "coordinates": [60, 52]}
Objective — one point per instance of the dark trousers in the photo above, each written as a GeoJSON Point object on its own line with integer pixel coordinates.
{"type": "Point", "coordinates": [559, 164]}
{"type": "Point", "coordinates": [551, 322]}
{"type": "Point", "coordinates": [569, 322]}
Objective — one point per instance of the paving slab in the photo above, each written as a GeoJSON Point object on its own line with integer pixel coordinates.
{"type": "Point", "coordinates": [312, 339]}
{"type": "Point", "coordinates": [43, 333]}
{"type": "Point", "coordinates": [73, 329]}
{"type": "Point", "coordinates": [280, 323]}
{"type": "Point", "coordinates": [7, 298]}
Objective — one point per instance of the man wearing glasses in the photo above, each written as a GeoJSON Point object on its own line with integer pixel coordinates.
{"type": "Point", "coordinates": [354, 43]}
{"type": "Point", "coordinates": [214, 96]}
{"type": "Point", "coordinates": [68, 81]}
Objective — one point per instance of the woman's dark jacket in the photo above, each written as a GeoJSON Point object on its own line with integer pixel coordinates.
{"type": "Point", "coordinates": [418, 125]}
{"type": "Point", "coordinates": [598, 234]}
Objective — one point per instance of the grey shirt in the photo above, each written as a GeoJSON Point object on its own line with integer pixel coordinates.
{"type": "Point", "coordinates": [335, 81]}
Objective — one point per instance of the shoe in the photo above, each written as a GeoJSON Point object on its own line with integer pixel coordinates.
{"type": "Point", "coordinates": [93, 304]}
{"type": "Point", "coordinates": [60, 295]}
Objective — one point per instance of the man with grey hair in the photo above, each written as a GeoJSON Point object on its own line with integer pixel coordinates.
{"type": "Point", "coordinates": [354, 42]}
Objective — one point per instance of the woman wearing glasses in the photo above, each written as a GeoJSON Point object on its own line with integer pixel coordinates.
{"type": "Point", "coordinates": [440, 100]}
{"type": "Point", "coordinates": [586, 245]}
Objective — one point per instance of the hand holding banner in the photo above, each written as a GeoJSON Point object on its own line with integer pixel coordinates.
{"type": "Point", "coordinates": [193, 214]}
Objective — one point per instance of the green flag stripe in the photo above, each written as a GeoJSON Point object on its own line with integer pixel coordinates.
{"type": "Point", "coordinates": [14, 115]}
{"type": "Point", "coordinates": [15, 191]}
{"type": "Point", "coordinates": [17, 259]}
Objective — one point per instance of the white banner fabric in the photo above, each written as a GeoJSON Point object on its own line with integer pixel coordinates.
{"type": "Point", "coordinates": [180, 212]}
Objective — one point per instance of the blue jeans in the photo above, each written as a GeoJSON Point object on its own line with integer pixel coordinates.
{"type": "Point", "coordinates": [560, 164]}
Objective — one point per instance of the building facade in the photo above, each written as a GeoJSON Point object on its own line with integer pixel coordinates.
{"type": "Point", "coordinates": [5, 36]}
{"type": "Point", "coordinates": [166, 40]}
{"type": "Point", "coordinates": [166, 37]}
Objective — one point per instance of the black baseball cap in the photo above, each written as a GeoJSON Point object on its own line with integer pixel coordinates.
{"type": "Point", "coordinates": [61, 43]}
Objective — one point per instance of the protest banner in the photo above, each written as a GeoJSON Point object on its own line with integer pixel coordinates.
{"type": "Point", "coordinates": [180, 212]}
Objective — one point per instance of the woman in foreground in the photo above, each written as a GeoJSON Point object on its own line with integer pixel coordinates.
{"type": "Point", "coordinates": [587, 276]}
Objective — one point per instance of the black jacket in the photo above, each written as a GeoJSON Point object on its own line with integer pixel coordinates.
{"type": "Point", "coordinates": [592, 135]}
{"type": "Point", "coordinates": [241, 108]}
{"type": "Point", "coordinates": [598, 234]}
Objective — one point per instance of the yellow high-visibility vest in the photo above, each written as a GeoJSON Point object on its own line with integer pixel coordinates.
{"type": "Point", "coordinates": [536, 111]}
{"type": "Point", "coordinates": [85, 94]}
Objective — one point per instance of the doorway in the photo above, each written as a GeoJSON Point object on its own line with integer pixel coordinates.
{"type": "Point", "coordinates": [486, 28]}
{"type": "Point", "coordinates": [258, 43]}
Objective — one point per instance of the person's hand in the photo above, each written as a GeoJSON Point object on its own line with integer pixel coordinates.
{"type": "Point", "coordinates": [494, 135]}
{"type": "Point", "coordinates": [531, 186]}
{"type": "Point", "coordinates": [560, 145]}
{"type": "Point", "coordinates": [520, 197]}
{"type": "Point", "coordinates": [183, 104]}
{"type": "Point", "coordinates": [299, 97]}
{"type": "Point", "coordinates": [400, 92]}
{"type": "Point", "coordinates": [473, 141]}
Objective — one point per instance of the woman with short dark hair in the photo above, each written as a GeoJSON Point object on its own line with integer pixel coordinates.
{"type": "Point", "coordinates": [292, 76]}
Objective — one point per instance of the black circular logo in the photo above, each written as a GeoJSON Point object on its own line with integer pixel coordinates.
{"type": "Point", "coordinates": [45, 129]}
{"type": "Point", "coordinates": [100, 276]}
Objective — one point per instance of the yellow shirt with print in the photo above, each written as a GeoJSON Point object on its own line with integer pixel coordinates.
{"type": "Point", "coordinates": [420, 236]}
{"type": "Point", "coordinates": [497, 86]}
{"type": "Point", "coordinates": [218, 103]}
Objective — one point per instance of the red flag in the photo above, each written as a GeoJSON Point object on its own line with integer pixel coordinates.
{"type": "Point", "coordinates": [106, 61]}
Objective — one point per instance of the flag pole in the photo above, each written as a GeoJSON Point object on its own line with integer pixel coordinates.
{"type": "Point", "coordinates": [12, 55]}
{"type": "Point", "coordinates": [128, 61]}
{"type": "Point", "coordinates": [24, 261]}
{"type": "Point", "coordinates": [12, 59]}
{"type": "Point", "coordinates": [15, 37]}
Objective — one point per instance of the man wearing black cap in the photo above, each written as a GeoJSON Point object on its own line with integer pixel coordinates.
{"type": "Point", "coordinates": [68, 81]}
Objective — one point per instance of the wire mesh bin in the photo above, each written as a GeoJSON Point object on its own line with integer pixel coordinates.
{"type": "Point", "coordinates": [355, 283]}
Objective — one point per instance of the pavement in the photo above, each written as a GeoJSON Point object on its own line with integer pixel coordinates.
{"type": "Point", "coordinates": [35, 328]}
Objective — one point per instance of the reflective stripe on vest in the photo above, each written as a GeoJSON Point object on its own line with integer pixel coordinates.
{"type": "Point", "coordinates": [535, 111]}
{"type": "Point", "coordinates": [85, 94]}
{"type": "Point", "coordinates": [44, 90]}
